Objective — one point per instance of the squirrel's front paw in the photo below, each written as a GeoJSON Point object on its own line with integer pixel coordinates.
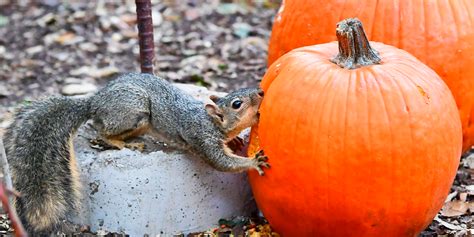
{"type": "Point", "coordinates": [261, 161]}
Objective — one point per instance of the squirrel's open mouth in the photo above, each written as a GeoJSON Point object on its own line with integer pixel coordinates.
{"type": "Point", "coordinates": [258, 114]}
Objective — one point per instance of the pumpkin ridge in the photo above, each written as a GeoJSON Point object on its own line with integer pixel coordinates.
{"type": "Point", "coordinates": [466, 6]}
{"type": "Point", "coordinates": [349, 83]}
{"type": "Point", "coordinates": [271, 108]}
{"type": "Point", "coordinates": [397, 76]}
{"type": "Point", "coordinates": [401, 91]}
{"type": "Point", "coordinates": [455, 19]}
{"type": "Point", "coordinates": [373, 21]}
{"type": "Point", "coordinates": [400, 25]}
{"type": "Point", "coordinates": [416, 73]}
{"type": "Point", "coordinates": [435, 179]}
{"type": "Point", "coordinates": [408, 77]}
{"type": "Point", "coordinates": [321, 100]}
{"type": "Point", "coordinates": [295, 100]}
{"type": "Point", "coordinates": [325, 70]}
{"type": "Point", "coordinates": [390, 78]}
{"type": "Point", "coordinates": [425, 33]}
{"type": "Point", "coordinates": [331, 76]}
{"type": "Point", "coordinates": [329, 99]}
{"type": "Point", "coordinates": [312, 82]}
{"type": "Point", "coordinates": [389, 124]}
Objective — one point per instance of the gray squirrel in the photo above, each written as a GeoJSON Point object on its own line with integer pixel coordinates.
{"type": "Point", "coordinates": [39, 141]}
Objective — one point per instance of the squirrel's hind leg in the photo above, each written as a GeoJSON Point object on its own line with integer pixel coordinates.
{"type": "Point", "coordinates": [115, 138]}
{"type": "Point", "coordinates": [118, 141]}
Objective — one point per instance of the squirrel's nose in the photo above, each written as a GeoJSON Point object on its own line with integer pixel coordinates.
{"type": "Point", "coordinates": [260, 92]}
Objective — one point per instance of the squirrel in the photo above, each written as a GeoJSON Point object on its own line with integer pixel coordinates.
{"type": "Point", "coordinates": [40, 150]}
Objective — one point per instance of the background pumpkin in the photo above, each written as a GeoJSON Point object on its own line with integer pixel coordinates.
{"type": "Point", "coordinates": [440, 33]}
{"type": "Point", "coordinates": [368, 151]}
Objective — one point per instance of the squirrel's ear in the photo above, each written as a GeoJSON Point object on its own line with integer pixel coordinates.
{"type": "Point", "coordinates": [214, 98]}
{"type": "Point", "coordinates": [214, 112]}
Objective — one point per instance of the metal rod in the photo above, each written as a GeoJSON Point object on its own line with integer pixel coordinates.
{"type": "Point", "coordinates": [145, 35]}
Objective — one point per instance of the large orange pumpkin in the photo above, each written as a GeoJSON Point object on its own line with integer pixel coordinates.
{"type": "Point", "coordinates": [362, 144]}
{"type": "Point", "coordinates": [440, 33]}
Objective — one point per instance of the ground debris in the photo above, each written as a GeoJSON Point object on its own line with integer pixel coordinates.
{"type": "Point", "coordinates": [239, 226]}
{"type": "Point", "coordinates": [197, 41]}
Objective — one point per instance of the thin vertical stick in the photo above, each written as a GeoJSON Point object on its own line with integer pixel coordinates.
{"type": "Point", "coordinates": [5, 191]}
{"type": "Point", "coordinates": [5, 168]}
{"type": "Point", "coordinates": [16, 223]}
{"type": "Point", "coordinates": [145, 35]}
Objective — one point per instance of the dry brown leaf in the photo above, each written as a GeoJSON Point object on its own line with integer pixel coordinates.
{"type": "Point", "coordinates": [455, 208]}
{"type": "Point", "coordinates": [66, 37]}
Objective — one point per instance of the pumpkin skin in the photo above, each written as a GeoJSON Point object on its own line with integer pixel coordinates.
{"type": "Point", "coordinates": [371, 151]}
{"type": "Point", "coordinates": [439, 33]}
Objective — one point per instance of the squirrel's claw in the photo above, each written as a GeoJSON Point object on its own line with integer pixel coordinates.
{"type": "Point", "coordinates": [265, 164]}
{"type": "Point", "coordinates": [262, 158]}
{"type": "Point", "coordinates": [260, 171]}
{"type": "Point", "coordinates": [261, 161]}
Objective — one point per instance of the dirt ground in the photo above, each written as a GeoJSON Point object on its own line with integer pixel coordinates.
{"type": "Point", "coordinates": [49, 47]}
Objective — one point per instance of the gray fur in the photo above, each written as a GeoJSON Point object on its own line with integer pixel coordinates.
{"type": "Point", "coordinates": [175, 116]}
{"type": "Point", "coordinates": [38, 141]}
{"type": "Point", "coordinates": [37, 146]}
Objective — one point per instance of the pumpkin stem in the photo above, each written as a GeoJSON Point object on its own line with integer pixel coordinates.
{"type": "Point", "coordinates": [354, 48]}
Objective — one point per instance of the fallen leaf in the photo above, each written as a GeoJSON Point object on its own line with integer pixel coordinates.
{"type": "Point", "coordinates": [448, 225]}
{"type": "Point", "coordinates": [69, 38]}
{"type": "Point", "coordinates": [468, 162]}
{"type": "Point", "coordinates": [105, 72]}
{"type": "Point", "coordinates": [130, 19]}
{"type": "Point", "coordinates": [95, 72]}
{"type": "Point", "coordinates": [470, 189]}
{"type": "Point", "coordinates": [455, 208]}
{"type": "Point", "coordinates": [34, 50]}
{"type": "Point", "coordinates": [78, 89]}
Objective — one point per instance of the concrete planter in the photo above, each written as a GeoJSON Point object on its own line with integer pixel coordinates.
{"type": "Point", "coordinates": [162, 192]}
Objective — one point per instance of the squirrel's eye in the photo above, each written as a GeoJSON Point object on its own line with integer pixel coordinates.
{"type": "Point", "coordinates": [236, 104]}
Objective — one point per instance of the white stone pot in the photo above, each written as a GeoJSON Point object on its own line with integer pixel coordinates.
{"type": "Point", "coordinates": [156, 193]}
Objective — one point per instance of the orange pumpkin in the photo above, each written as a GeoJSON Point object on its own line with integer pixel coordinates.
{"type": "Point", "coordinates": [361, 144]}
{"type": "Point", "coordinates": [440, 33]}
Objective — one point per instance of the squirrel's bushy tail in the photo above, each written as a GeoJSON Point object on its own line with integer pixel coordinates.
{"type": "Point", "coordinates": [40, 152]}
